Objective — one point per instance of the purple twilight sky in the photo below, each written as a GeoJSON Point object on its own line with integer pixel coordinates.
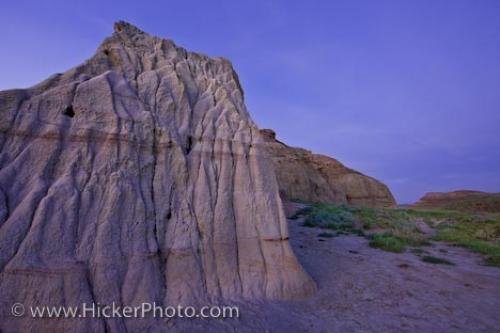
{"type": "Point", "coordinates": [405, 91]}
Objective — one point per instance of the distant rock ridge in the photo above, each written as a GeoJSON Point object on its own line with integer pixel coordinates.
{"type": "Point", "coordinates": [137, 176]}
{"type": "Point", "coordinates": [465, 200]}
{"type": "Point", "coordinates": [309, 177]}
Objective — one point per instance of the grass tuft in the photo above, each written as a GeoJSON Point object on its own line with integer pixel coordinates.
{"type": "Point", "coordinates": [388, 243]}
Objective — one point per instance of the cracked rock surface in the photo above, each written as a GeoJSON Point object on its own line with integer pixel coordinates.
{"type": "Point", "coordinates": [137, 176]}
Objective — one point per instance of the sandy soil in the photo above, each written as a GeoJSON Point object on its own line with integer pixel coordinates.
{"type": "Point", "coordinates": [361, 289]}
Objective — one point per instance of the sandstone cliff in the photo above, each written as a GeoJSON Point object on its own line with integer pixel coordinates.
{"type": "Point", "coordinates": [310, 177]}
{"type": "Point", "coordinates": [137, 176]}
{"type": "Point", "coordinates": [474, 201]}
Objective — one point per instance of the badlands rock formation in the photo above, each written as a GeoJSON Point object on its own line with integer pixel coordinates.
{"type": "Point", "coordinates": [310, 177]}
{"type": "Point", "coordinates": [465, 200]}
{"type": "Point", "coordinates": [137, 176]}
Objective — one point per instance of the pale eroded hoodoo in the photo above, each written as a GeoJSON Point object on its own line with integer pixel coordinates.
{"type": "Point", "coordinates": [137, 176]}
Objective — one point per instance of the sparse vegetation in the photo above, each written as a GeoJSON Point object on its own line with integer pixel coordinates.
{"type": "Point", "coordinates": [436, 260]}
{"type": "Point", "coordinates": [395, 230]}
{"type": "Point", "coordinates": [479, 235]}
{"type": "Point", "coordinates": [387, 243]}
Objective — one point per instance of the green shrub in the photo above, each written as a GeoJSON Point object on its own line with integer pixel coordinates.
{"type": "Point", "coordinates": [329, 217]}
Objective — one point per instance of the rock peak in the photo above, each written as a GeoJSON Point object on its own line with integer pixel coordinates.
{"type": "Point", "coordinates": [123, 26]}
{"type": "Point", "coordinates": [268, 134]}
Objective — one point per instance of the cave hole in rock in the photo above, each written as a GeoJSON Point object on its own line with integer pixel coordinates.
{"type": "Point", "coordinates": [189, 144]}
{"type": "Point", "coordinates": [69, 111]}
{"type": "Point", "coordinates": [348, 198]}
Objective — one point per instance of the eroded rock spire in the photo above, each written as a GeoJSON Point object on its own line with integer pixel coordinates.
{"type": "Point", "coordinates": [137, 176]}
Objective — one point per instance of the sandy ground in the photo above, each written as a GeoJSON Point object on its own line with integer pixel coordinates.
{"type": "Point", "coordinates": [361, 289]}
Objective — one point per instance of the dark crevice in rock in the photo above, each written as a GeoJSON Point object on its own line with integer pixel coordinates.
{"type": "Point", "coordinates": [5, 215]}
{"type": "Point", "coordinates": [69, 111]}
{"type": "Point", "coordinates": [189, 144]}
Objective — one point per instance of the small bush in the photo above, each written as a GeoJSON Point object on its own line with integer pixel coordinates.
{"type": "Point", "coordinates": [329, 217]}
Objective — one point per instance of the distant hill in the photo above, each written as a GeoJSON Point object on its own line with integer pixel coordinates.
{"type": "Point", "coordinates": [309, 177]}
{"type": "Point", "coordinates": [463, 200]}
